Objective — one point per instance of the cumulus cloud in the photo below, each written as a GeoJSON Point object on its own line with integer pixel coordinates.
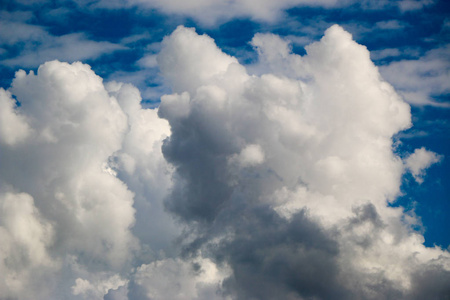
{"type": "Point", "coordinates": [304, 212]}
{"type": "Point", "coordinates": [419, 161]}
{"type": "Point", "coordinates": [14, 127]}
{"type": "Point", "coordinates": [267, 186]}
{"type": "Point", "coordinates": [25, 237]}
{"type": "Point", "coordinates": [67, 208]}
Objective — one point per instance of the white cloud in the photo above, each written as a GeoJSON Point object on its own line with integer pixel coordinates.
{"type": "Point", "coordinates": [175, 279]}
{"type": "Point", "coordinates": [38, 46]}
{"type": "Point", "coordinates": [97, 290]}
{"type": "Point", "coordinates": [141, 165]}
{"type": "Point", "coordinates": [22, 32]}
{"type": "Point", "coordinates": [419, 161]}
{"type": "Point", "coordinates": [327, 167]}
{"type": "Point", "coordinates": [211, 12]}
{"type": "Point", "coordinates": [275, 56]}
{"type": "Point", "coordinates": [77, 126]}
{"type": "Point", "coordinates": [26, 238]}
{"type": "Point", "coordinates": [14, 127]}
{"type": "Point", "coordinates": [249, 156]}
{"type": "Point", "coordinates": [408, 5]}
{"type": "Point", "coordinates": [276, 184]}
{"type": "Point", "coordinates": [181, 65]}
{"type": "Point", "coordinates": [419, 80]}
{"type": "Point", "coordinates": [395, 53]}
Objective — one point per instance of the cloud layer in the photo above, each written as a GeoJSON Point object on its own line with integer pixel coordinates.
{"type": "Point", "coordinates": [212, 12]}
{"type": "Point", "coordinates": [239, 186]}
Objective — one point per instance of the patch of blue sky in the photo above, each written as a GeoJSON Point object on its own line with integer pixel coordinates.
{"type": "Point", "coordinates": [431, 199]}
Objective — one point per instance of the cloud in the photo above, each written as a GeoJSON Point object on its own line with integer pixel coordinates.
{"type": "Point", "coordinates": [14, 127]}
{"type": "Point", "coordinates": [37, 46]}
{"type": "Point", "coordinates": [390, 25]}
{"type": "Point", "coordinates": [402, 5]}
{"type": "Point", "coordinates": [98, 290]}
{"type": "Point", "coordinates": [67, 209]}
{"type": "Point", "coordinates": [21, 32]}
{"type": "Point", "coordinates": [140, 164]}
{"type": "Point", "coordinates": [396, 53]}
{"type": "Point", "coordinates": [212, 12]}
{"type": "Point", "coordinates": [25, 237]}
{"type": "Point", "coordinates": [177, 279]}
{"type": "Point", "coordinates": [271, 185]}
{"type": "Point", "coordinates": [408, 5]}
{"type": "Point", "coordinates": [420, 80]}
{"type": "Point", "coordinates": [305, 213]}
{"type": "Point", "coordinates": [419, 161]}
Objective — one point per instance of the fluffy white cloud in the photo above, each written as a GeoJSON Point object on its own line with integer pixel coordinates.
{"type": "Point", "coordinates": [277, 184]}
{"type": "Point", "coordinates": [14, 127]}
{"type": "Point", "coordinates": [26, 238]}
{"type": "Point", "coordinates": [419, 161]}
{"type": "Point", "coordinates": [315, 176]}
{"type": "Point", "coordinates": [141, 165]}
{"type": "Point", "coordinates": [71, 216]}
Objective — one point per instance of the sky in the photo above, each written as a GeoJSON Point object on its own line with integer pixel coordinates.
{"type": "Point", "coordinates": [223, 150]}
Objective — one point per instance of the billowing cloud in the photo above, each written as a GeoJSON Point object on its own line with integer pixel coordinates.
{"type": "Point", "coordinates": [268, 186]}
{"type": "Point", "coordinates": [66, 208]}
{"type": "Point", "coordinates": [286, 178]}
{"type": "Point", "coordinates": [14, 127]}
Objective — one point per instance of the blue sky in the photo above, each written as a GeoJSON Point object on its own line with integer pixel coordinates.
{"type": "Point", "coordinates": [409, 43]}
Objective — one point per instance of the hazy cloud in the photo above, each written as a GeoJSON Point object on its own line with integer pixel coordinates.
{"type": "Point", "coordinates": [420, 80]}
{"type": "Point", "coordinates": [37, 46]}
{"type": "Point", "coordinates": [211, 12]}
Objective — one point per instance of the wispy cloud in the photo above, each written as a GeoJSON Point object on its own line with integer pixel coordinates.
{"type": "Point", "coordinates": [419, 80]}
{"type": "Point", "coordinates": [36, 46]}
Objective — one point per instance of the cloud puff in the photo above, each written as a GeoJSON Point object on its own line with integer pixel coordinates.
{"type": "Point", "coordinates": [66, 208]}
{"type": "Point", "coordinates": [25, 237]}
{"type": "Point", "coordinates": [309, 216]}
{"type": "Point", "coordinates": [419, 161]}
{"type": "Point", "coordinates": [14, 127]}
{"type": "Point", "coordinates": [177, 279]}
